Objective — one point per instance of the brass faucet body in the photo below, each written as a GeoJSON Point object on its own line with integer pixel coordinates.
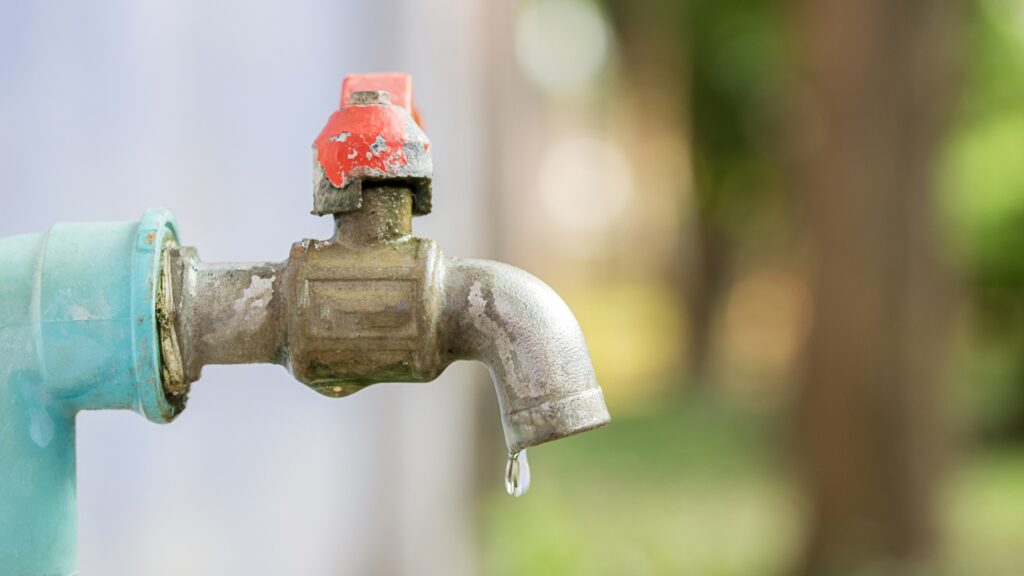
{"type": "Point", "coordinates": [367, 302]}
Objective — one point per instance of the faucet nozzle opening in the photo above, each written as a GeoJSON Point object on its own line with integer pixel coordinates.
{"type": "Point", "coordinates": [533, 346]}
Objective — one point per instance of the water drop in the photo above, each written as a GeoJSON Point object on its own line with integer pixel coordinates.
{"type": "Point", "coordinates": [517, 474]}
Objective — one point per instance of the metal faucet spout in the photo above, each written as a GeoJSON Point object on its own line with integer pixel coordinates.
{"type": "Point", "coordinates": [532, 345]}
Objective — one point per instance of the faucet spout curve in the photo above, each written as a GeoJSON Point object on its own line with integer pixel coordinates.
{"type": "Point", "coordinates": [532, 345]}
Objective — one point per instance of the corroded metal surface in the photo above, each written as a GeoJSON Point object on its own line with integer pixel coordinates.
{"type": "Point", "coordinates": [172, 369]}
{"type": "Point", "coordinates": [376, 304]}
{"type": "Point", "coordinates": [363, 307]}
{"type": "Point", "coordinates": [224, 313]}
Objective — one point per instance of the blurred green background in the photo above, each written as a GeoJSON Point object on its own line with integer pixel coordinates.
{"type": "Point", "coordinates": [690, 271]}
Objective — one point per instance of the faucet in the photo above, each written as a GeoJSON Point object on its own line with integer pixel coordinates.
{"type": "Point", "coordinates": [118, 315]}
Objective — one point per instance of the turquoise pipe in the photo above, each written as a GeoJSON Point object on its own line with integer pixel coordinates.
{"type": "Point", "coordinates": [77, 332]}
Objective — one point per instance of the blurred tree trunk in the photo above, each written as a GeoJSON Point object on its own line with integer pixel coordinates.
{"type": "Point", "coordinates": [679, 60]}
{"type": "Point", "coordinates": [703, 287]}
{"type": "Point", "coordinates": [878, 78]}
{"type": "Point", "coordinates": [655, 50]}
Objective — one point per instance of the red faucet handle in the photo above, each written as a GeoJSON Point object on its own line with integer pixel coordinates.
{"type": "Point", "coordinates": [398, 85]}
{"type": "Point", "coordinates": [371, 138]}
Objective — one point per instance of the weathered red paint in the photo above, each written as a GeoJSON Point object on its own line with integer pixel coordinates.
{"type": "Point", "coordinates": [361, 140]}
{"type": "Point", "coordinates": [370, 141]}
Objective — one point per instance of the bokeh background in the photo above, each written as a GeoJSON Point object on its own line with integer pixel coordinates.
{"type": "Point", "coordinates": [793, 233]}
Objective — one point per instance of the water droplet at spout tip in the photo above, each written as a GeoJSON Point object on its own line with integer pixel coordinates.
{"type": "Point", "coordinates": [517, 474]}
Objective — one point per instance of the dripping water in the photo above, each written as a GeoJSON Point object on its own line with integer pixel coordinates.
{"type": "Point", "coordinates": [517, 474]}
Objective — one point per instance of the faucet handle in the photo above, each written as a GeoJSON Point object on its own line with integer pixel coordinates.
{"type": "Point", "coordinates": [376, 137]}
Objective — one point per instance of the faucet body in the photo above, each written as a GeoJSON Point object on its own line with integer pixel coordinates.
{"type": "Point", "coordinates": [376, 304]}
{"type": "Point", "coordinates": [96, 316]}
{"type": "Point", "coordinates": [77, 331]}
